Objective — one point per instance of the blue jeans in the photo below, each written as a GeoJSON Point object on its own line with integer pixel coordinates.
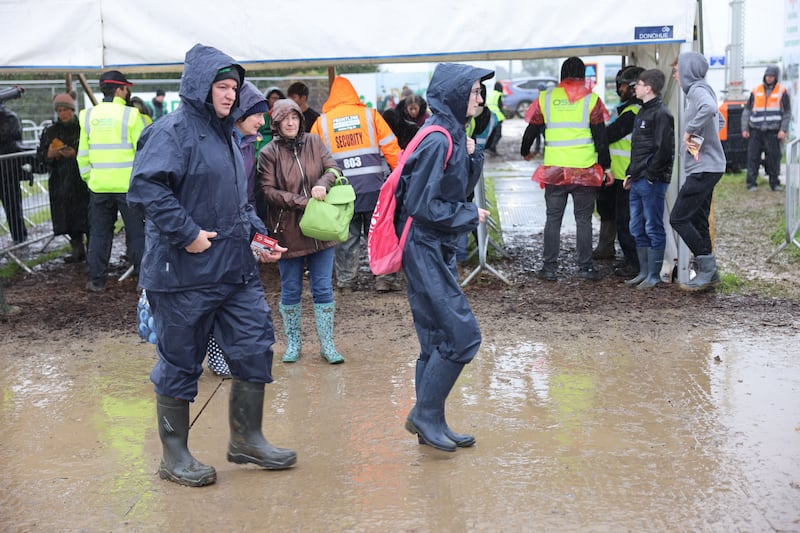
{"type": "Point", "coordinates": [647, 202]}
{"type": "Point", "coordinates": [320, 272]}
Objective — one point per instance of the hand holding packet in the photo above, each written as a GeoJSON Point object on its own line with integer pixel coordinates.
{"type": "Point", "coordinates": [262, 243]}
{"type": "Point", "coordinates": [694, 144]}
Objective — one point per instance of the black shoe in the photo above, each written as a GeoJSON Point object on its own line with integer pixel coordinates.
{"type": "Point", "coordinates": [547, 275]}
{"type": "Point", "coordinates": [93, 286]}
{"type": "Point", "coordinates": [603, 254]}
{"type": "Point", "coordinates": [626, 271]}
{"type": "Point", "coordinates": [590, 274]}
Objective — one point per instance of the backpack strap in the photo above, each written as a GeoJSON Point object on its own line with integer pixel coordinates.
{"type": "Point", "coordinates": [420, 135]}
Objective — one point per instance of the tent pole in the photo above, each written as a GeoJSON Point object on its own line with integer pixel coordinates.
{"type": "Point", "coordinates": [85, 85]}
{"type": "Point", "coordinates": [331, 76]}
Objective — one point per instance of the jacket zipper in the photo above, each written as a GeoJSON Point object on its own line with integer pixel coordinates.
{"type": "Point", "coordinates": [305, 190]}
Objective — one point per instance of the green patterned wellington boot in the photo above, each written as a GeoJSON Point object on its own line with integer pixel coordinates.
{"type": "Point", "coordinates": [291, 325]}
{"type": "Point", "coordinates": [324, 316]}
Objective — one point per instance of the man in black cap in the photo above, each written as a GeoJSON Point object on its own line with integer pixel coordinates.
{"type": "Point", "coordinates": [109, 133]}
{"type": "Point", "coordinates": [157, 106]}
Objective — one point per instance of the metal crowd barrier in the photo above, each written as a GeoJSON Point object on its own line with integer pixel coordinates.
{"type": "Point", "coordinates": [792, 189]}
{"type": "Point", "coordinates": [25, 206]}
{"type": "Point", "coordinates": [483, 238]}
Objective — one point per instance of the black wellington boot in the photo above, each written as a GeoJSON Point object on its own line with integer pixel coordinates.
{"type": "Point", "coordinates": [78, 253]}
{"type": "Point", "coordinates": [177, 463]}
{"type": "Point", "coordinates": [247, 443]}
{"type": "Point", "coordinates": [426, 419]}
{"type": "Point", "coordinates": [462, 440]}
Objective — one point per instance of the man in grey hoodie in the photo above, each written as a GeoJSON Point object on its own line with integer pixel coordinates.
{"type": "Point", "coordinates": [704, 163]}
{"type": "Point", "coordinates": [765, 122]}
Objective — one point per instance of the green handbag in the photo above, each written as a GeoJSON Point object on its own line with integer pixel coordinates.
{"type": "Point", "coordinates": [330, 220]}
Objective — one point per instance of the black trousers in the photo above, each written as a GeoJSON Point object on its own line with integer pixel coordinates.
{"type": "Point", "coordinates": [622, 217]}
{"type": "Point", "coordinates": [689, 216]}
{"type": "Point", "coordinates": [765, 142]}
{"type": "Point", "coordinates": [11, 196]}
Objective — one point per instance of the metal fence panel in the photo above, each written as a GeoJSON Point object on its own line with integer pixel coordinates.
{"type": "Point", "coordinates": [25, 211]}
{"type": "Point", "coordinates": [792, 176]}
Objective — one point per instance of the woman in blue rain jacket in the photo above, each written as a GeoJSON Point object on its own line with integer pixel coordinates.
{"type": "Point", "coordinates": [434, 191]}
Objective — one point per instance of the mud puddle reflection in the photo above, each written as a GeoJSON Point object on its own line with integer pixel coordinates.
{"type": "Point", "coordinates": [598, 432]}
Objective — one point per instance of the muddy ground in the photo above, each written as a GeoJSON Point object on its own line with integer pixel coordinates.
{"type": "Point", "coordinates": [596, 406]}
{"type": "Point", "coordinates": [54, 299]}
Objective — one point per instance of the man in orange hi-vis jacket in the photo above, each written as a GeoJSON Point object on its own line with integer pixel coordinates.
{"type": "Point", "coordinates": [359, 140]}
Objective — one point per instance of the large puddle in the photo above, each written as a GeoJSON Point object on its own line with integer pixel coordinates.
{"type": "Point", "coordinates": [697, 431]}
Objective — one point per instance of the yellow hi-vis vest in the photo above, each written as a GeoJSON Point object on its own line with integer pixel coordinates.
{"type": "Point", "coordinates": [493, 103]}
{"type": "Point", "coordinates": [567, 137]}
{"type": "Point", "coordinates": [621, 150]}
{"type": "Point", "coordinates": [109, 133]}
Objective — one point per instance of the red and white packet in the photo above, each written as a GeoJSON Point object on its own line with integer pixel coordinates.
{"type": "Point", "coordinates": [262, 243]}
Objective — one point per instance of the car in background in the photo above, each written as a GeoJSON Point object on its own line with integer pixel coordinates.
{"type": "Point", "coordinates": [519, 93]}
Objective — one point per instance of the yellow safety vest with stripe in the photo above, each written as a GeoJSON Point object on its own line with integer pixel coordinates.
{"type": "Point", "coordinates": [493, 103]}
{"type": "Point", "coordinates": [766, 113]}
{"type": "Point", "coordinates": [109, 133]}
{"type": "Point", "coordinates": [567, 137]}
{"type": "Point", "coordinates": [621, 150]}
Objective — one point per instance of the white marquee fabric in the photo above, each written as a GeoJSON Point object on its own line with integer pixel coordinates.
{"type": "Point", "coordinates": [152, 35]}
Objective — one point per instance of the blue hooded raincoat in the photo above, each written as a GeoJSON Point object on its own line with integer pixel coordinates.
{"type": "Point", "coordinates": [436, 198]}
{"type": "Point", "coordinates": [187, 176]}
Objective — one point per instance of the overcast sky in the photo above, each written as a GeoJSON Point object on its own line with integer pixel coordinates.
{"type": "Point", "coordinates": [763, 28]}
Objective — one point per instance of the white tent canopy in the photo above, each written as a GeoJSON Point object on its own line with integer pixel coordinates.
{"type": "Point", "coordinates": [153, 35]}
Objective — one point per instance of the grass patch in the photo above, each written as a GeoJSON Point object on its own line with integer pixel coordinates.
{"type": "Point", "coordinates": [778, 237]}
{"type": "Point", "coordinates": [730, 283]}
{"type": "Point", "coordinates": [12, 268]}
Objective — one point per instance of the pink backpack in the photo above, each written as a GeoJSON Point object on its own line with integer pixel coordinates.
{"type": "Point", "coordinates": [384, 247]}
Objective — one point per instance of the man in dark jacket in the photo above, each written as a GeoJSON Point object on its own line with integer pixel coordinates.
{"type": "Point", "coordinates": [765, 122]}
{"type": "Point", "coordinates": [10, 174]}
{"type": "Point", "coordinates": [576, 157]}
{"type": "Point", "coordinates": [648, 176]}
{"type": "Point", "coordinates": [199, 270]}
{"type": "Point", "coordinates": [156, 106]}
{"type": "Point", "coordinates": [613, 201]}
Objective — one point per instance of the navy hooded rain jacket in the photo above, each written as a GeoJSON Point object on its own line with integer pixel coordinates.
{"type": "Point", "coordinates": [436, 197]}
